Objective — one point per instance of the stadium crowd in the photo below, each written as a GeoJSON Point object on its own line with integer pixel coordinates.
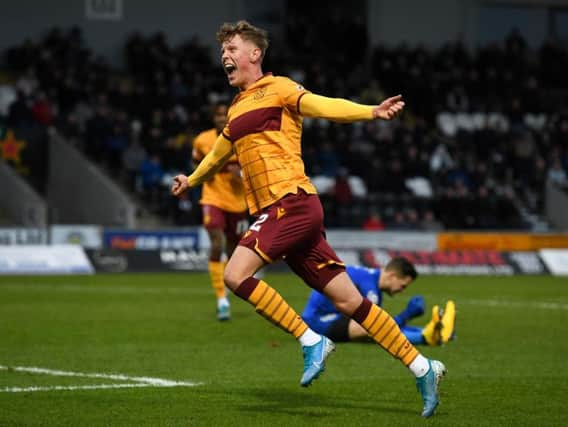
{"type": "Point", "coordinates": [483, 132]}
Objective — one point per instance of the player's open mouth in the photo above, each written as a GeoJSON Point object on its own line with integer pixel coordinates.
{"type": "Point", "coordinates": [229, 68]}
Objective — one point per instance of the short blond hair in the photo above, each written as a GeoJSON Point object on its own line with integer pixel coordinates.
{"type": "Point", "coordinates": [247, 31]}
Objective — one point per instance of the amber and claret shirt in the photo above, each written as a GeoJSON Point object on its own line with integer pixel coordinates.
{"type": "Point", "coordinates": [225, 190]}
{"type": "Point", "coordinates": [265, 128]}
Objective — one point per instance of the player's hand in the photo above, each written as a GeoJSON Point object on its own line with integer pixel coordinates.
{"type": "Point", "coordinates": [389, 108]}
{"type": "Point", "coordinates": [235, 173]}
{"type": "Point", "coordinates": [179, 185]}
{"type": "Point", "coordinates": [234, 169]}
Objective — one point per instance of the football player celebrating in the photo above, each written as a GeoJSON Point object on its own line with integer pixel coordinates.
{"type": "Point", "coordinates": [264, 130]}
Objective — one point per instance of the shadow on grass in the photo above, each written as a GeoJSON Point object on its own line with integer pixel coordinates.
{"type": "Point", "coordinates": [306, 403]}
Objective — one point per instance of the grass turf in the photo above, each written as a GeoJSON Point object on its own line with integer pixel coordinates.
{"type": "Point", "coordinates": [506, 367]}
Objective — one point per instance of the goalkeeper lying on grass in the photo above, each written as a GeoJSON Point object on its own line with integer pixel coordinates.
{"type": "Point", "coordinates": [321, 315]}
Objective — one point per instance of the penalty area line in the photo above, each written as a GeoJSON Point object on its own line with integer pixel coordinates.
{"type": "Point", "coordinates": [138, 381]}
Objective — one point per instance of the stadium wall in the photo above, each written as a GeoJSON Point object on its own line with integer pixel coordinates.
{"type": "Point", "coordinates": [19, 200]}
{"type": "Point", "coordinates": [78, 192]}
{"type": "Point", "coordinates": [412, 21]}
{"type": "Point", "coordinates": [29, 251]}
{"type": "Point", "coordinates": [557, 206]}
{"type": "Point", "coordinates": [179, 19]}
{"type": "Point", "coordinates": [475, 21]}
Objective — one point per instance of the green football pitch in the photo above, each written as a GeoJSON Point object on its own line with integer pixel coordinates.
{"type": "Point", "coordinates": [146, 350]}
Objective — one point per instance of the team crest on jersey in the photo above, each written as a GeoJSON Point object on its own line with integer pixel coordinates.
{"type": "Point", "coordinates": [259, 94]}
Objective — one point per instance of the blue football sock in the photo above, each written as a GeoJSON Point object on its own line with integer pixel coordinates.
{"type": "Point", "coordinates": [400, 319]}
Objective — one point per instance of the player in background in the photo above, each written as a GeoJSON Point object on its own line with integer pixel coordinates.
{"type": "Point", "coordinates": [264, 130]}
{"type": "Point", "coordinates": [321, 315]}
{"type": "Point", "coordinates": [225, 215]}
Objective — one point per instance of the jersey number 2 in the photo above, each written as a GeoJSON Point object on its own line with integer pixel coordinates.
{"type": "Point", "coordinates": [256, 225]}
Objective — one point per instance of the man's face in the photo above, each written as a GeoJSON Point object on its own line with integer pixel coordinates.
{"type": "Point", "coordinates": [393, 284]}
{"type": "Point", "coordinates": [220, 117]}
{"type": "Point", "coordinates": [237, 56]}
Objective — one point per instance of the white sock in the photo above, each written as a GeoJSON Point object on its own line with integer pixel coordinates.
{"type": "Point", "coordinates": [224, 301]}
{"type": "Point", "coordinates": [309, 338]}
{"type": "Point", "coordinates": [419, 366]}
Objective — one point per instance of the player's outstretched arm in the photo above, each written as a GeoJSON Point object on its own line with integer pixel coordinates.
{"type": "Point", "coordinates": [342, 110]}
{"type": "Point", "coordinates": [211, 163]}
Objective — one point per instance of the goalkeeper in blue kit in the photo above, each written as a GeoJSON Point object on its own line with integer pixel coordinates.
{"type": "Point", "coordinates": [321, 315]}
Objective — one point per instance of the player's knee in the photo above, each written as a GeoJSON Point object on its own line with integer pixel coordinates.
{"type": "Point", "coordinates": [232, 278]}
{"type": "Point", "coordinates": [348, 306]}
{"type": "Point", "coordinates": [344, 307]}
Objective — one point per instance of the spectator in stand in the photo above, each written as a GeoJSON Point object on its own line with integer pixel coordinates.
{"type": "Point", "coordinates": [394, 182]}
{"type": "Point", "coordinates": [68, 126]}
{"type": "Point", "coordinates": [374, 222]}
{"type": "Point", "coordinates": [440, 160]}
{"type": "Point", "coordinates": [154, 136]}
{"type": "Point", "coordinates": [99, 129]}
{"type": "Point", "coordinates": [557, 174]}
{"type": "Point", "coordinates": [412, 219]}
{"type": "Point", "coordinates": [430, 223]}
{"type": "Point", "coordinates": [151, 175]}
{"type": "Point", "coordinates": [19, 112]}
{"type": "Point", "coordinates": [342, 190]}
{"type": "Point", "coordinates": [486, 209]}
{"type": "Point", "coordinates": [535, 189]}
{"type": "Point", "coordinates": [116, 143]}
{"type": "Point", "coordinates": [327, 159]}
{"type": "Point", "coordinates": [343, 198]}
{"type": "Point", "coordinates": [398, 222]}
{"type": "Point", "coordinates": [133, 157]}
{"type": "Point", "coordinates": [28, 83]}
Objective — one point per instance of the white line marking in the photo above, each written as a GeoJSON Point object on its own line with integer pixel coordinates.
{"type": "Point", "coordinates": [72, 387]}
{"type": "Point", "coordinates": [516, 304]}
{"type": "Point", "coordinates": [190, 289]}
{"type": "Point", "coordinates": [139, 381]}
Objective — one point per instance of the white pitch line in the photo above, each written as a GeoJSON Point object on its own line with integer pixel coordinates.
{"type": "Point", "coordinates": [516, 304]}
{"type": "Point", "coordinates": [162, 290]}
{"type": "Point", "coordinates": [73, 387]}
{"type": "Point", "coordinates": [140, 381]}
{"type": "Point", "coordinates": [118, 377]}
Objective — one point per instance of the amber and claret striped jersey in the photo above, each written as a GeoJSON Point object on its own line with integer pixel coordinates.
{"type": "Point", "coordinates": [224, 190]}
{"type": "Point", "coordinates": [265, 128]}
